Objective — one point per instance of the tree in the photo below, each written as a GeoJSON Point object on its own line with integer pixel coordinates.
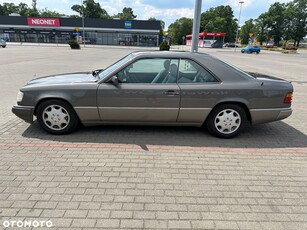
{"type": "Point", "coordinates": [179, 29]}
{"type": "Point", "coordinates": [91, 9]}
{"type": "Point", "coordinates": [246, 29]}
{"type": "Point", "coordinates": [299, 20]}
{"type": "Point", "coordinates": [126, 14]}
{"type": "Point", "coordinates": [219, 19]}
{"type": "Point", "coordinates": [9, 8]}
{"type": "Point", "coordinates": [276, 25]}
{"type": "Point", "coordinates": [161, 22]}
{"type": "Point", "coordinates": [261, 24]}
{"type": "Point", "coordinates": [48, 13]}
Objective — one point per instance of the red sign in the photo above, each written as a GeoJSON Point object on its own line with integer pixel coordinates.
{"type": "Point", "coordinates": [43, 21]}
{"type": "Point", "coordinates": [212, 34]}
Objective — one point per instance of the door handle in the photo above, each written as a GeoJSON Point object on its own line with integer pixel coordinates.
{"type": "Point", "coordinates": [171, 92]}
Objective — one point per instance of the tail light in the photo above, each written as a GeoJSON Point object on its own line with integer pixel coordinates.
{"type": "Point", "coordinates": [288, 98]}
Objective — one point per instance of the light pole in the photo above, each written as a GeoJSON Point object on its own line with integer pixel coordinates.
{"type": "Point", "coordinates": [196, 25]}
{"type": "Point", "coordinates": [238, 26]}
{"type": "Point", "coordinates": [83, 33]}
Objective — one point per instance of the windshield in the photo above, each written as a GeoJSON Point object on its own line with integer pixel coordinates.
{"type": "Point", "coordinates": [112, 67]}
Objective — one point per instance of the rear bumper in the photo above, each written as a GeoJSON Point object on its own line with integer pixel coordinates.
{"type": "Point", "coordinates": [267, 115]}
{"type": "Point", "coordinates": [24, 112]}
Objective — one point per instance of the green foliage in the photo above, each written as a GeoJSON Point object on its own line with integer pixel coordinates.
{"type": "Point", "coordinates": [179, 29]}
{"type": "Point", "coordinates": [74, 44]}
{"type": "Point", "coordinates": [126, 14]}
{"type": "Point", "coordinates": [91, 9]}
{"type": "Point", "coordinates": [48, 13]}
{"type": "Point", "coordinates": [287, 21]}
{"type": "Point", "coordinates": [161, 22]}
{"type": "Point", "coordinates": [219, 19]}
{"type": "Point", "coordinates": [164, 45]}
{"type": "Point", "coordinates": [246, 29]}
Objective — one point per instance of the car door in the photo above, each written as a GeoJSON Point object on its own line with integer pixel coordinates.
{"type": "Point", "coordinates": [142, 94]}
{"type": "Point", "coordinates": [198, 92]}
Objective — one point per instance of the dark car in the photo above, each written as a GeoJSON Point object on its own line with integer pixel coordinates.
{"type": "Point", "coordinates": [2, 43]}
{"type": "Point", "coordinates": [156, 88]}
{"type": "Point", "coordinates": [251, 49]}
{"type": "Point", "coordinates": [289, 47]}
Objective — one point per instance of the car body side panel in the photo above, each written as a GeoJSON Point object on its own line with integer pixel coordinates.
{"type": "Point", "coordinates": [81, 96]}
{"type": "Point", "coordinates": [138, 102]}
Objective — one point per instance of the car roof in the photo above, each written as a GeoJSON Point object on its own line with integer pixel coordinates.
{"type": "Point", "coordinates": [220, 69]}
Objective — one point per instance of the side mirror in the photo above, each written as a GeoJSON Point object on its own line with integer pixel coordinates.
{"type": "Point", "coordinates": [114, 80]}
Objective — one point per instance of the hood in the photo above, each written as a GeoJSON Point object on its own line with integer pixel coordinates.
{"type": "Point", "coordinates": [70, 78]}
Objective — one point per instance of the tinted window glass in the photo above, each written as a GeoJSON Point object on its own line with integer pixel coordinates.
{"type": "Point", "coordinates": [191, 72]}
{"type": "Point", "coordinates": [150, 70]}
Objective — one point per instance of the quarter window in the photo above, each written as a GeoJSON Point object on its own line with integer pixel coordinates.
{"type": "Point", "coordinates": [191, 72]}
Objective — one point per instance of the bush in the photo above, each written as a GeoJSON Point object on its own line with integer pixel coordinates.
{"type": "Point", "coordinates": [164, 46]}
{"type": "Point", "coordinates": [74, 44]}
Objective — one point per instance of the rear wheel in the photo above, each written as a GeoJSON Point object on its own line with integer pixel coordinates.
{"type": "Point", "coordinates": [226, 120]}
{"type": "Point", "coordinates": [57, 117]}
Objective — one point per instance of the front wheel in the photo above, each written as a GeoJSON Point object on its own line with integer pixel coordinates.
{"type": "Point", "coordinates": [226, 120]}
{"type": "Point", "coordinates": [57, 117]}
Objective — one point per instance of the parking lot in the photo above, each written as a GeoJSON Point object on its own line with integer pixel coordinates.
{"type": "Point", "coordinates": [128, 177]}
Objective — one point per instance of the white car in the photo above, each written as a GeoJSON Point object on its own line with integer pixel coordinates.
{"type": "Point", "coordinates": [2, 43]}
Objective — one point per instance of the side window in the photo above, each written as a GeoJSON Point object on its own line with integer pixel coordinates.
{"type": "Point", "coordinates": [151, 71]}
{"type": "Point", "coordinates": [191, 72]}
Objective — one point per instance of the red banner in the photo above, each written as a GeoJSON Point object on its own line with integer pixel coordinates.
{"type": "Point", "coordinates": [43, 21]}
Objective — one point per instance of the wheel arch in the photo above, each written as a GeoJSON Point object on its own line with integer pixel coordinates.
{"type": "Point", "coordinates": [239, 103]}
{"type": "Point", "coordinates": [53, 98]}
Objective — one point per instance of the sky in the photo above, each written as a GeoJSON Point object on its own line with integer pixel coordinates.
{"type": "Point", "coordinates": [167, 10]}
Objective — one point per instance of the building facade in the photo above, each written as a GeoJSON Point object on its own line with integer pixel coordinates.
{"type": "Point", "coordinates": [95, 31]}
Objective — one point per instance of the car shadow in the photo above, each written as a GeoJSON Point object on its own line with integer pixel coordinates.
{"type": "Point", "coordinates": [272, 135]}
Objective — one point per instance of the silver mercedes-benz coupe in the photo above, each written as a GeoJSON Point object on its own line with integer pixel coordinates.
{"type": "Point", "coordinates": [157, 88]}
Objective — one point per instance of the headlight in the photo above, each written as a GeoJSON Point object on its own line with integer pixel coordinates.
{"type": "Point", "coordinates": [19, 96]}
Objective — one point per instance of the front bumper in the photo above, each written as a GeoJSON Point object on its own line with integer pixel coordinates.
{"type": "Point", "coordinates": [24, 112]}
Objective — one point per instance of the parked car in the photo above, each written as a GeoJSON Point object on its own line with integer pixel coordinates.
{"type": "Point", "coordinates": [289, 47]}
{"type": "Point", "coordinates": [231, 44]}
{"type": "Point", "coordinates": [251, 49]}
{"type": "Point", "coordinates": [2, 43]}
{"type": "Point", "coordinates": [269, 45]}
{"type": "Point", "coordinates": [156, 88]}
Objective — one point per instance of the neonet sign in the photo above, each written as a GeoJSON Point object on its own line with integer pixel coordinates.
{"type": "Point", "coordinates": [43, 21]}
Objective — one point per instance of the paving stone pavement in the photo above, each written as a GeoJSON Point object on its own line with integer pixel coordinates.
{"type": "Point", "coordinates": [127, 177]}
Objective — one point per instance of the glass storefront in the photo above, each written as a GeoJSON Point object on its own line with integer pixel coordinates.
{"type": "Point", "coordinates": [91, 37]}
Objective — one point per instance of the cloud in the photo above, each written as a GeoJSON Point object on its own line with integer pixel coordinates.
{"type": "Point", "coordinates": [16, 2]}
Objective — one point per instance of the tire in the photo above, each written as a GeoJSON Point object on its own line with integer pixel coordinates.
{"type": "Point", "coordinates": [57, 117]}
{"type": "Point", "coordinates": [242, 51]}
{"type": "Point", "coordinates": [234, 120]}
{"type": "Point", "coordinates": [3, 46]}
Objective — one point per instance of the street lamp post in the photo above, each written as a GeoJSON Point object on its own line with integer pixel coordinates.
{"type": "Point", "coordinates": [238, 26]}
{"type": "Point", "coordinates": [83, 33]}
{"type": "Point", "coordinates": [196, 25]}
